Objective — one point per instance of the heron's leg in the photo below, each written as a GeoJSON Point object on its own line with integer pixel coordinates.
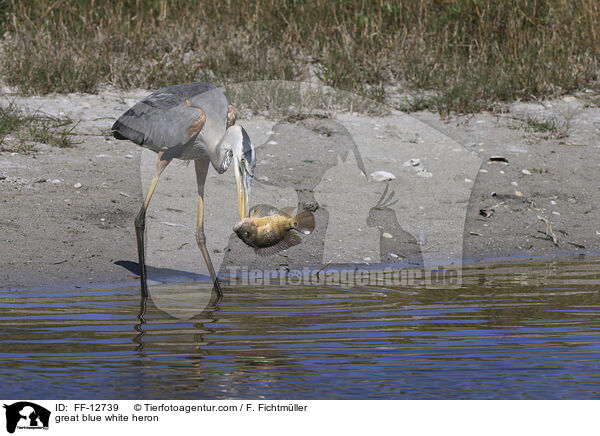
{"type": "Point", "coordinates": [201, 171]}
{"type": "Point", "coordinates": [140, 220]}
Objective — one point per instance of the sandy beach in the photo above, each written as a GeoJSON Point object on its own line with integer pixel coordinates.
{"type": "Point", "coordinates": [67, 213]}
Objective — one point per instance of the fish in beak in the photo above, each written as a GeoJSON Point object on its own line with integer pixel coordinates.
{"type": "Point", "coordinates": [268, 230]}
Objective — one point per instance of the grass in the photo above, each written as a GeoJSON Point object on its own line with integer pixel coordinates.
{"type": "Point", "coordinates": [289, 99]}
{"type": "Point", "coordinates": [461, 55]}
{"type": "Point", "coordinates": [555, 126]}
{"type": "Point", "coordinates": [546, 126]}
{"type": "Point", "coordinates": [20, 130]}
{"type": "Point", "coordinates": [543, 125]}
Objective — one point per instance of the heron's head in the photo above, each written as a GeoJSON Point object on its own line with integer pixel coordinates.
{"type": "Point", "coordinates": [237, 147]}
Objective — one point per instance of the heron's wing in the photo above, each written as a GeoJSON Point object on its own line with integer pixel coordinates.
{"type": "Point", "coordinates": [165, 119]}
{"type": "Point", "coordinates": [290, 240]}
{"type": "Point", "coordinates": [231, 116]}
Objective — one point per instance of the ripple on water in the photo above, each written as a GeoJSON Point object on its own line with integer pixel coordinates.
{"type": "Point", "coordinates": [512, 331]}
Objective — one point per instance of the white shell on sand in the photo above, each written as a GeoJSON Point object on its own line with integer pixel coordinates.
{"type": "Point", "coordinates": [412, 163]}
{"type": "Point", "coordinates": [382, 176]}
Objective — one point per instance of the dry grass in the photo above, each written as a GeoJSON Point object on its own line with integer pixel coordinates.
{"type": "Point", "coordinates": [20, 130]}
{"type": "Point", "coordinates": [466, 53]}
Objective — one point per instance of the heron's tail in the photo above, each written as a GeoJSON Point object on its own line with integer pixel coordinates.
{"type": "Point", "coordinates": [305, 222]}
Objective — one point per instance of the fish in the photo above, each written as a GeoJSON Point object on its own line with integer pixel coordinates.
{"type": "Point", "coordinates": [269, 230]}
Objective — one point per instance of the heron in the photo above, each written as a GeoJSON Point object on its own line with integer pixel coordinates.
{"type": "Point", "coordinates": [190, 122]}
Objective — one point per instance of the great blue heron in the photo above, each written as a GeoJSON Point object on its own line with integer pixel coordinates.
{"type": "Point", "coordinates": [190, 122]}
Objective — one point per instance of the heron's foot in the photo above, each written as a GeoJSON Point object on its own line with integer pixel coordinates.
{"type": "Point", "coordinates": [201, 240]}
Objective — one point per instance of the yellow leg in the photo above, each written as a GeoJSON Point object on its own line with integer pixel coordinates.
{"type": "Point", "coordinates": [140, 221]}
{"type": "Point", "coordinates": [201, 171]}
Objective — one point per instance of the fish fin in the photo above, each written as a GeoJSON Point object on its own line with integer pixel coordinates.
{"type": "Point", "coordinates": [255, 211]}
{"type": "Point", "coordinates": [262, 210]}
{"type": "Point", "coordinates": [288, 211]}
{"type": "Point", "coordinates": [306, 222]}
{"type": "Point", "coordinates": [289, 241]}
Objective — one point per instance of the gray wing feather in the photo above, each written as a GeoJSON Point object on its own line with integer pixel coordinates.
{"type": "Point", "coordinates": [163, 120]}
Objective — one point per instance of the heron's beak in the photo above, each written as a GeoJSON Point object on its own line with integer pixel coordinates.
{"type": "Point", "coordinates": [242, 180]}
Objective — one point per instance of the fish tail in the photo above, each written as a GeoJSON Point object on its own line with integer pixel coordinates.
{"type": "Point", "coordinates": [305, 222]}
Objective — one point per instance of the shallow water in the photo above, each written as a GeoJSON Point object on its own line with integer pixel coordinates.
{"type": "Point", "coordinates": [528, 331]}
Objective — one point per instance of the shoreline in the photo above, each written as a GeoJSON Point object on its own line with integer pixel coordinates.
{"type": "Point", "coordinates": [533, 261]}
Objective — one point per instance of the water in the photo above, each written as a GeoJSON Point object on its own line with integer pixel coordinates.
{"type": "Point", "coordinates": [524, 331]}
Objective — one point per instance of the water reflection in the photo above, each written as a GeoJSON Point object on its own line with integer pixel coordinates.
{"type": "Point", "coordinates": [512, 331]}
{"type": "Point", "coordinates": [182, 301]}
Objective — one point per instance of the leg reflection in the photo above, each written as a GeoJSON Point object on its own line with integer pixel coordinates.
{"type": "Point", "coordinates": [139, 338]}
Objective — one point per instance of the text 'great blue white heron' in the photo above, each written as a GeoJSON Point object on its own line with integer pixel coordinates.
{"type": "Point", "coordinates": [190, 122]}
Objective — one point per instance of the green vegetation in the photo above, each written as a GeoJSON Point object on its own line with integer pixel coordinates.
{"type": "Point", "coordinates": [544, 125]}
{"type": "Point", "coordinates": [465, 54]}
{"type": "Point", "coordinates": [20, 130]}
{"type": "Point", "coordinates": [552, 126]}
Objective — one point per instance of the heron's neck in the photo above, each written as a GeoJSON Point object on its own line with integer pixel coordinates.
{"type": "Point", "coordinates": [222, 157]}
